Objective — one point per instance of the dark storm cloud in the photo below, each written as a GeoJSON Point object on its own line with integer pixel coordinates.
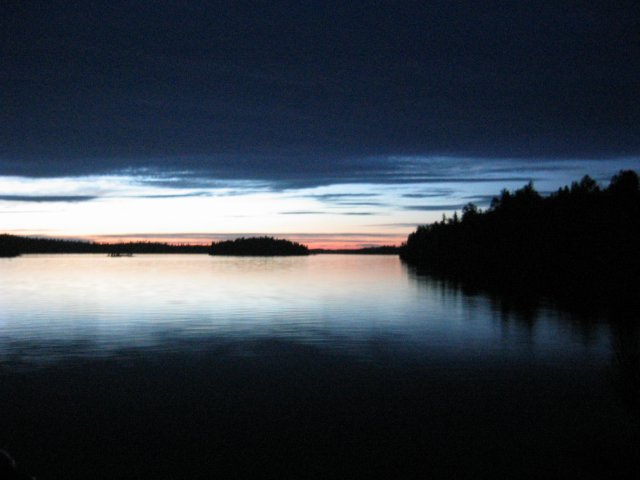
{"type": "Point", "coordinates": [307, 93]}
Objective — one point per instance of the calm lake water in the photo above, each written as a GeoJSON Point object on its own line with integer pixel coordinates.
{"type": "Point", "coordinates": [189, 366]}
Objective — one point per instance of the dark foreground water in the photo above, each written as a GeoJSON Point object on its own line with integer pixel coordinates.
{"type": "Point", "coordinates": [181, 366]}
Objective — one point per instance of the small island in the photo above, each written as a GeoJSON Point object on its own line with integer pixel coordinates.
{"type": "Point", "coordinates": [258, 246]}
{"type": "Point", "coordinates": [9, 253]}
{"type": "Point", "coordinates": [9, 246]}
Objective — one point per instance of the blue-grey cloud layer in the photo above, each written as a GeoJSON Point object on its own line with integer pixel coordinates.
{"type": "Point", "coordinates": [434, 208]}
{"type": "Point", "coordinates": [47, 198]}
{"type": "Point", "coordinates": [307, 93]}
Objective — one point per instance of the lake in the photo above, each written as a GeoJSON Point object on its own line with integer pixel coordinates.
{"type": "Point", "coordinates": [327, 366]}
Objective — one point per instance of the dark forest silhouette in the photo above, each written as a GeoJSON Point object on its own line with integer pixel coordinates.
{"type": "Point", "coordinates": [7, 248]}
{"type": "Point", "coordinates": [13, 245]}
{"type": "Point", "coordinates": [581, 241]}
{"type": "Point", "coordinates": [258, 246]}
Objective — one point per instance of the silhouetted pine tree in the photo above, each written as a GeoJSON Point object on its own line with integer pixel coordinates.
{"type": "Point", "coordinates": [579, 240]}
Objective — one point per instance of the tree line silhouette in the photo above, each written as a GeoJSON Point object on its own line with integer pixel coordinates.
{"type": "Point", "coordinates": [579, 241]}
{"type": "Point", "coordinates": [13, 245]}
{"type": "Point", "coordinates": [258, 246]}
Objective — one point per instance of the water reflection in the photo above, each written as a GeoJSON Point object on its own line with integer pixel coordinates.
{"type": "Point", "coordinates": [85, 305]}
{"type": "Point", "coordinates": [79, 305]}
{"type": "Point", "coordinates": [186, 366]}
{"type": "Point", "coordinates": [612, 331]}
{"type": "Point", "coordinates": [626, 363]}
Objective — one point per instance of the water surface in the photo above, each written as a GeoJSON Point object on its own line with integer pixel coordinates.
{"type": "Point", "coordinates": [189, 366]}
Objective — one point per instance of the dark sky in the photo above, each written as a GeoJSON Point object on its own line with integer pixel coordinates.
{"type": "Point", "coordinates": [298, 91]}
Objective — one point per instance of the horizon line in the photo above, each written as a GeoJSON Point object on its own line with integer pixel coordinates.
{"type": "Point", "coordinates": [337, 240]}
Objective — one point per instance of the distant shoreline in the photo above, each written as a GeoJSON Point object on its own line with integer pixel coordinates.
{"type": "Point", "coordinates": [28, 245]}
{"type": "Point", "coordinates": [12, 246]}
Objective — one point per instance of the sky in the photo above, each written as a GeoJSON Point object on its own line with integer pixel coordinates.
{"type": "Point", "coordinates": [337, 124]}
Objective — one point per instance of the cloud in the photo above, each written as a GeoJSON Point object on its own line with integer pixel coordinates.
{"type": "Point", "coordinates": [316, 212]}
{"type": "Point", "coordinates": [394, 225]}
{"type": "Point", "coordinates": [47, 198]}
{"type": "Point", "coordinates": [425, 195]}
{"type": "Point", "coordinates": [434, 208]}
{"type": "Point", "coordinates": [297, 96]}
{"type": "Point", "coordinates": [339, 197]}
{"type": "Point", "coordinates": [304, 212]}
{"type": "Point", "coordinates": [362, 204]}
{"type": "Point", "coordinates": [481, 199]}
{"type": "Point", "coordinates": [171, 195]}
{"type": "Point", "coordinates": [19, 212]}
{"type": "Point", "coordinates": [254, 174]}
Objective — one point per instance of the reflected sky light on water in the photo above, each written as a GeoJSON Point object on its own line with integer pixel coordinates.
{"type": "Point", "coordinates": [56, 307]}
{"type": "Point", "coordinates": [182, 366]}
